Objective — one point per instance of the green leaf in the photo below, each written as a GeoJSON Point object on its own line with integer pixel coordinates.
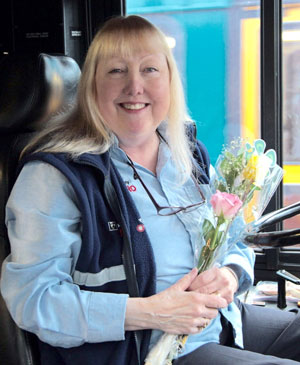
{"type": "Point", "coordinates": [208, 230]}
{"type": "Point", "coordinates": [221, 187]}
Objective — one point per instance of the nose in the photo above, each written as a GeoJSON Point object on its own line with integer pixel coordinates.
{"type": "Point", "coordinates": [134, 84]}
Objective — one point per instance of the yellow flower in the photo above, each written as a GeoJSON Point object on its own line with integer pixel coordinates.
{"type": "Point", "coordinates": [257, 169]}
{"type": "Point", "coordinates": [249, 172]}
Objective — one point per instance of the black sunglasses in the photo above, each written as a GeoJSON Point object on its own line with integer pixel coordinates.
{"type": "Point", "coordinates": [165, 211]}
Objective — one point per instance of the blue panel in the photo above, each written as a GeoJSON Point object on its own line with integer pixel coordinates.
{"type": "Point", "coordinates": [200, 52]}
{"type": "Point", "coordinates": [205, 73]}
{"type": "Point", "coordinates": [158, 6]}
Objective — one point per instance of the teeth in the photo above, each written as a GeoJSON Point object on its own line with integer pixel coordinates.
{"type": "Point", "coordinates": [134, 106]}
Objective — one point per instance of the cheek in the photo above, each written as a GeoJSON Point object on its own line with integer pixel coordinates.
{"type": "Point", "coordinates": [105, 98]}
{"type": "Point", "coordinates": [107, 89]}
{"type": "Point", "coordinates": [163, 96]}
{"type": "Point", "coordinates": [105, 93]}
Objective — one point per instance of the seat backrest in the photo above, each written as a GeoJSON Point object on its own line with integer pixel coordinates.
{"type": "Point", "coordinates": [33, 88]}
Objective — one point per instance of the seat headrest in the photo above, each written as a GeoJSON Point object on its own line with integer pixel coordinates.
{"type": "Point", "coordinates": [35, 87]}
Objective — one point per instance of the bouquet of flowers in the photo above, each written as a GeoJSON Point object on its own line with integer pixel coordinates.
{"type": "Point", "coordinates": [245, 180]}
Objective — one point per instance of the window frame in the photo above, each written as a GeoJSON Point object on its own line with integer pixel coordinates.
{"type": "Point", "coordinates": [270, 260]}
{"type": "Point", "coordinates": [97, 14]}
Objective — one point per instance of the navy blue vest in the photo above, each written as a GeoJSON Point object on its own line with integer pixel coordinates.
{"type": "Point", "coordinates": [102, 248]}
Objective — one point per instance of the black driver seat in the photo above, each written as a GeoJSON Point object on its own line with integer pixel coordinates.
{"type": "Point", "coordinates": [33, 88]}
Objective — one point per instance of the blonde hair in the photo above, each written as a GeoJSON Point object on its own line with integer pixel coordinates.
{"type": "Point", "coordinates": [84, 130]}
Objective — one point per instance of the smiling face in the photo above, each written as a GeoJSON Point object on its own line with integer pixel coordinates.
{"type": "Point", "coordinates": [133, 94]}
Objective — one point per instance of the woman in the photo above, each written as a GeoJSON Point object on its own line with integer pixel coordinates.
{"type": "Point", "coordinates": [101, 223]}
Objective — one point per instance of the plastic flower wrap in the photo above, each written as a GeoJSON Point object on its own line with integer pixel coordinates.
{"type": "Point", "coordinates": [246, 178]}
{"type": "Point", "coordinates": [250, 173]}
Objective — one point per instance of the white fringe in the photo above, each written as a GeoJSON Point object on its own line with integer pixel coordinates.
{"type": "Point", "coordinates": [160, 351]}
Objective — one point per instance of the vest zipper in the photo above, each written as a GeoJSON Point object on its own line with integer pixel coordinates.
{"type": "Point", "coordinates": [137, 345]}
{"type": "Point", "coordinates": [110, 192]}
{"type": "Point", "coordinates": [135, 335]}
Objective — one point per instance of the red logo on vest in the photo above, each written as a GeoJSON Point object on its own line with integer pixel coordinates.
{"type": "Point", "coordinates": [131, 188]}
{"type": "Point", "coordinates": [140, 228]}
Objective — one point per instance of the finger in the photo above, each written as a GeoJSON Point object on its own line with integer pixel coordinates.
{"type": "Point", "coordinates": [204, 281]}
{"type": "Point", "coordinates": [210, 313]}
{"type": "Point", "coordinates": [214, 301]}
{"type": "Point", "coordinates": [209, 275]}
{"type": "Point", "coordinates": [202, 323]}
{"type": "Point", "coordinates": [224, 285]}
{"type": "Point", "coordinates": [212, 289]}
{"type": "Point", "coordinates": [231, 277]}
{"type": "Point", "coordinates": [223, 282]}
{"type": "Point", "coordinates": [185, 281]}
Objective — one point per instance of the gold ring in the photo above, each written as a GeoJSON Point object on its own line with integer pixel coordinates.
{"type": "Point", "coordinates": [202, 326]}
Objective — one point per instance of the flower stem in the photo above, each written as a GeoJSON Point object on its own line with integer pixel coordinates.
{"type": "Point", "coordinates": [213, 244]}
{"type": "Point", "coordinates": [207, 253]}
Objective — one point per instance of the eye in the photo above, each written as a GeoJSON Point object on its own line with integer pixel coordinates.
{"type": "Point", "coordinates": [150, 69]}
{"type": "Point", "coordinates": [115, 71]}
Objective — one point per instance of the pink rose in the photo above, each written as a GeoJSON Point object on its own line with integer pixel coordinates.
{"type": "Point", "coordinates": [225, 204]}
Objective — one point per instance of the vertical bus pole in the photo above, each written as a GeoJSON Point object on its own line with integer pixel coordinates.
{"type": "Point", "coordinates": [271, 97]}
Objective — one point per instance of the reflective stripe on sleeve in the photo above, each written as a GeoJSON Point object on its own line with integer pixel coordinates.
{"type": "Point", "coordinates": [114, 273]}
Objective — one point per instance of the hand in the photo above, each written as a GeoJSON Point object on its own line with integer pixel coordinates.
{"type": "Point", "coordinates": [216, 280]}
{"type": "Point", "coordinates": [174, 310]}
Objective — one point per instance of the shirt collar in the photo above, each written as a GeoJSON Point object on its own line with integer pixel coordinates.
{"type": "Point", "coordinates": [163, 153]}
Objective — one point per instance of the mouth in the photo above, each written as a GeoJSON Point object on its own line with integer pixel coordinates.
{"type": "Point", "coordinates": [134, 106]}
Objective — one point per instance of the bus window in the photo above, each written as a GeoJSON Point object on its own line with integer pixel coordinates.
{"type": "Point", "coordinates": [291, 106]}
{"type": "Point", "coordinates": [216, 45]}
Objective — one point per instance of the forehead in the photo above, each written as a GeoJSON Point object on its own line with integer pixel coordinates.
{"type": "Point", "coordinates": [138, 58]}
{"type": "Point", "coordinates": [130, 45]}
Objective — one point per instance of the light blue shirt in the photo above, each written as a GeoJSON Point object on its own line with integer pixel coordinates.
{"type": "Point", "coordinates": [44, 225]}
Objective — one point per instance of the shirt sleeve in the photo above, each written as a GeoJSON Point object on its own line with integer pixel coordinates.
{"type": "Point", "coordinates": [44, 229]}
